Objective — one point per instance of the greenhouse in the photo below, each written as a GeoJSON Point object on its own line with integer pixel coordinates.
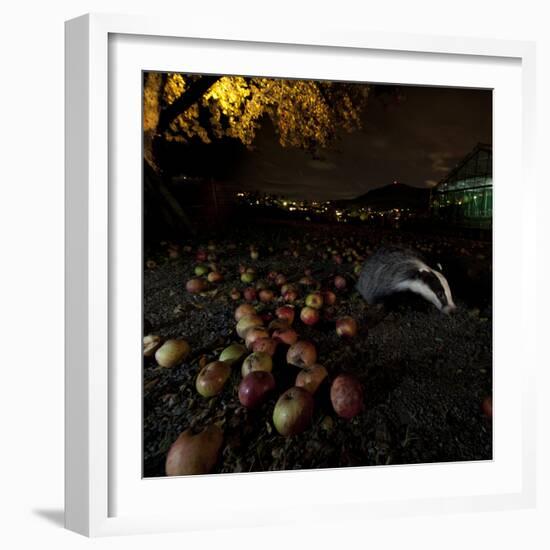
{"type": "Point", "coordinates": [465, 196]}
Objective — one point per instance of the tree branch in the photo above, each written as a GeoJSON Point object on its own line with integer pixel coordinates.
{"type": "Point", "coordinates": [180, 105]}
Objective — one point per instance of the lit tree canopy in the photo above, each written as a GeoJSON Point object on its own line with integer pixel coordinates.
{"type": "Point", "coordinates": [305, 114]}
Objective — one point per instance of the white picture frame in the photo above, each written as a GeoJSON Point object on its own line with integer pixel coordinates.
{"type": "Point", "coordinates": [105, 493]}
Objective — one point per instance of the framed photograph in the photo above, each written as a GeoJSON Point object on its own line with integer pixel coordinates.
{"type": "Point", "coordinates": [288, 273]}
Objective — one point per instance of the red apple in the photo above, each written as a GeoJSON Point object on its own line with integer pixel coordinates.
{"type": "Point", "coordinates": [329, 298]}
{"type": "Point", "coordinates": [255, 387]}
{"type": "Point", "coordinates": [266, 296]}
{"type": "Point", "coordinates": [311, 378]}
{"type": "Point", "coordinates": [194, 454]}
{"type": "Point", "coordinates": [255, 333]}
{"type": "Point", "coordinates": [301, 354]}
{"type": "Point", "coordinates": [290, 296]}
{"type": "Point", "coordinates": [195, 286]}
{"type": "Point", "coordinates": [487, 406]}
{"type": "Point", "coordinates": [280, 280]}
{"type": "Point", "coordinates": [215, 277]}
{"type": "Point", "coordinates": [346, 396]}
{"type": "Point", "coordinates": [249, 294]}
{"type": "Point", "coordinates": [287, 336]}
{"type": "Point", "coordinates": [346, 327]}
{"type": "Point", "coordinates": [242, 310]}
{"type": "Point", "coordinates": [339, 282]}
{"type": "Point", "coordinates": [285, 312]}
{"type": "Point", "coordinates": [267, 345]}
{"type": "Point", "coordinates": [293, 412]}
{"type": "Point", "coordinates": [272, 275]}
{"type": "Point", "coordinates": [309, 315]}
{"type": "Point", "coordinates": [201, 255]}
{"type": "Point", "coordinates": [212, 378]}
{"type": "Point", "coordinates": [234, 294]}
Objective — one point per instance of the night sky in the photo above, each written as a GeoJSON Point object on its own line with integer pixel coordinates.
{"type": "Point", "coordinates": [415, 141]}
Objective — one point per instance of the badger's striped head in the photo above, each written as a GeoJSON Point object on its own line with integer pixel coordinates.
{"type": "Point", "coordinates": [431, 285]}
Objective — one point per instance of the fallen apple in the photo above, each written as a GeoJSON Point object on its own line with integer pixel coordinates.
{"type": "Point", "coordinates": [290, 296]}
{"type": "Point", "coordinates": [215, 277]}
{"type": "Point", "coordinates": [280, 280]}
{"type": "Point", "coordinates": [201, 270]}
{"type": "Point", "coordinates": [247, 277]}
{"type": "Point", "coordinates": [212, 378]}
{"type": "Point", "coordinates": [346, 327]}
{"type": "Point", "coordinates": [242, 310]}
{"type": "Point", "coordinates": [195, 286]}
{"type": "Point", "coordinates": [311, 378]}
{"type": "Point", "coordinates": [232, 354]}
{"type": "Point", "coordinates": [194, 454]}
{"type": "Point", "coordinates": [151, 343]}
{"type": "Point", "coordinates": [253, 334]}
{"type": "Point", "coordinates": [247, 322]}
{"type": "Point", "coordinates": [287, 336]}
{"type": "Point", "coordinates": [255, 387]}
{"type": "Point", "coordinates": [257, 360]}
{"type": "Point", "coordinates": [314, 300]}
{"type": "Point", "coordinates": [171, 353]}
{"type": "Point", "coordinates": [329, 298]}
{"type": "Point", "coordinates": [266, 296]}
{"type": "Point", "coordinates": [293, 411]}
{"type": "Point", "coordinates": [201, 255]}
{"type": "Point", "coordinates": [309, 315]}
{"type": "Point", "coordinates": [234, 294]}
{"type": "Point", "coordinates": [249, 294]}
{"type": "Point", "coordinates": [340, 282]}
{"type": "Point", "coordinates": [301, 354]}
{"type": "Point", "coordinates": [346, 395]}
{"type": "Point", "coordinates": [267, 345]}
{"type": "Point", "coordinates": [286, 312]}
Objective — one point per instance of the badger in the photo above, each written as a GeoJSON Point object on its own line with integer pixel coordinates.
{"type": "Point", "coordinates": [392, 270]}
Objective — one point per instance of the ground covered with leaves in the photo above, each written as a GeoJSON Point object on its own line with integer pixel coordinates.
{"type": "Point", "coordinates": [425, 375]}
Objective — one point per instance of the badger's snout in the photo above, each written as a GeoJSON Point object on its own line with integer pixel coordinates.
{"type": "Point", "coordinates": [449, 309]}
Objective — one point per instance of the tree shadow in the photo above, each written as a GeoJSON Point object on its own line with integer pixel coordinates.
{"type": "Point", "coordinates": [55, 516]}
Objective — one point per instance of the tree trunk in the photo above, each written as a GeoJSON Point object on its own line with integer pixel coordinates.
{"type": "Point", "coordinates": [155, 183]}
{"type": "Point", "coordinates": [165, 203]}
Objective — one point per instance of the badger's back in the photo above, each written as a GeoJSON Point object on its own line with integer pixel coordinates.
{"type": "Point", "coordinates": [383, 272]}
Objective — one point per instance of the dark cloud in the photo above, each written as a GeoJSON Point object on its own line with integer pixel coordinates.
{"type": "Point", "coordinates": [415, 141]}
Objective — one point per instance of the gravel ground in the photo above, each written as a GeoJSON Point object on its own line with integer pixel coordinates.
{"type": "Point", "coordinates": [425, 375]}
